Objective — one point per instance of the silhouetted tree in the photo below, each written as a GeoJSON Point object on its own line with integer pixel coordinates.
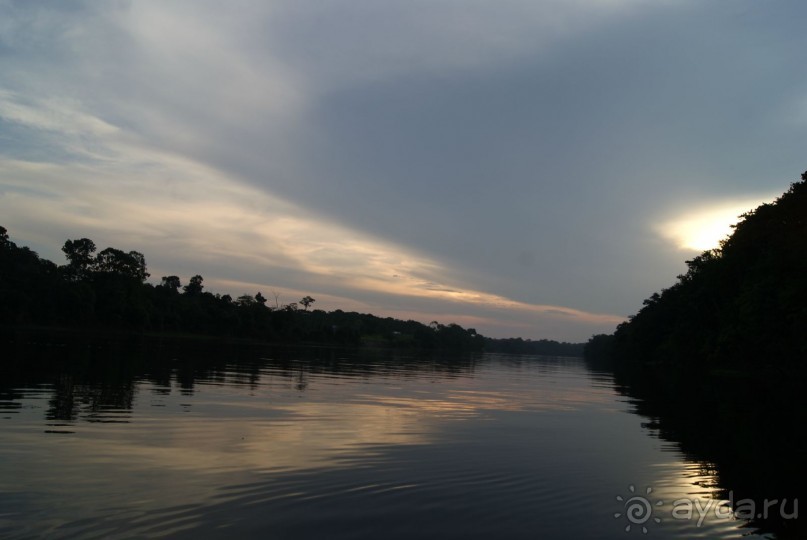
{"type": "Point", "coordinates": [245, 300]}
{"type": "Point", "coordinates": [741, 305]}
{"type": "Point", "coordinates": [171, 283]}
{"type": "Point", "coordinates": [109, 290]}
{"type": "Point", "coordinates": [114, 261]}
{"type": "Point", "coordinates": [79, 254]}
{"type": "Point", "coordinates": [194, 286]}
{"type": "Point", "coordinates": [306, 302]}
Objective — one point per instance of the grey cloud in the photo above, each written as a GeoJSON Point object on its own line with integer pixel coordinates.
{"type": "Point", "coordinates": [528, 147]}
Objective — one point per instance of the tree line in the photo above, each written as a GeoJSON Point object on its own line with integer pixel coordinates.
{"type": "Point", "coordinates": [715, 361]}
{"type": "Point", "coordinates": [742, 305]}
{"type": "Point", "coordinates": [108, 289]}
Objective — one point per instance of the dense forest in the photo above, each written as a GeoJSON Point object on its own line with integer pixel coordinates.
{"type": "Point", "coordinates": [715, 361]}
{"type": "Point", "coordinates": [742, 305]}
{"type": "Point", "coordinates": [108, 290]}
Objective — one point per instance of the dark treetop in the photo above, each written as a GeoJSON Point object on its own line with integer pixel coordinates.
{"type": "Point", "coordinates": [741, 306]}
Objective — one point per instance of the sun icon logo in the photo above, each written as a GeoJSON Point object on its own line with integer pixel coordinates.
{"type": "Point", "coordinates": [638, 509]}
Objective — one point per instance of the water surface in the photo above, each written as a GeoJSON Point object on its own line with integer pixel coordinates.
{"type": "Point", "coordinates": [206, 442]}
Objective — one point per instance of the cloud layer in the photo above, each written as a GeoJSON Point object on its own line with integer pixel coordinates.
{"type": "Point", "coordinates": [504, 166]}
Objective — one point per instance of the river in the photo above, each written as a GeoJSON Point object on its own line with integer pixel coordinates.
{"type": "Point", "coordinates": [206, 440]}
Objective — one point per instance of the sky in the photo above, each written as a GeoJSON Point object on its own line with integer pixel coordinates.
{"type": "Point", "coordinates": [530, 168]}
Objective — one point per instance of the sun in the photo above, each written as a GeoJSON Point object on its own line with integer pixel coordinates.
{"type": "Point", "coordinates": [704, 228]}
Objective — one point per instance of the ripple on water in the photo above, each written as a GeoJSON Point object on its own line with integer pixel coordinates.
{"type": "Point", "coordinates": [347, 447]}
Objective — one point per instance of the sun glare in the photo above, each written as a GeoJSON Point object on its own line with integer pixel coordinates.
{"type": "Point", "coordinates": [704, 228]}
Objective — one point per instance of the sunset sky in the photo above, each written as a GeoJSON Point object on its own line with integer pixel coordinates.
{"type": "Point", "coordinates": [529, 168]}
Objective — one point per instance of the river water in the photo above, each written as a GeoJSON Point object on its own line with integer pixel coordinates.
{"type": "Point", "coordinates": [306, 443]}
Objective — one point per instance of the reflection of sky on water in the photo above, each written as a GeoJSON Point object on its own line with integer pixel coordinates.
{"type": "Point", "coordinates": [278, 426]}
{"type": "Point", "coordinates": [519, 447]}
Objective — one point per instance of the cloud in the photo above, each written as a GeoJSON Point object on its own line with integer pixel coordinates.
{"type": "Point", "coordinates": [366, 41]}
{"type": "Point", "coordinates": [488, 162]}
{"type": "Point", "coordinates": [52, 114]}
{"type": "Point", "coordinates": [172, 208]}
{"type": "Point", "coordinates": [236, 228]}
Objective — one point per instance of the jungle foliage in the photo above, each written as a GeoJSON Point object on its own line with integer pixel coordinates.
{"type": "Point", "coordinates": [740, 306]}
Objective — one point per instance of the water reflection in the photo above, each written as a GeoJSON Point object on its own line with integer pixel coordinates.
{"type": "Point", "coordinates": [159, 438]}
{"type": "Point", "coordinates": [738, 435]}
